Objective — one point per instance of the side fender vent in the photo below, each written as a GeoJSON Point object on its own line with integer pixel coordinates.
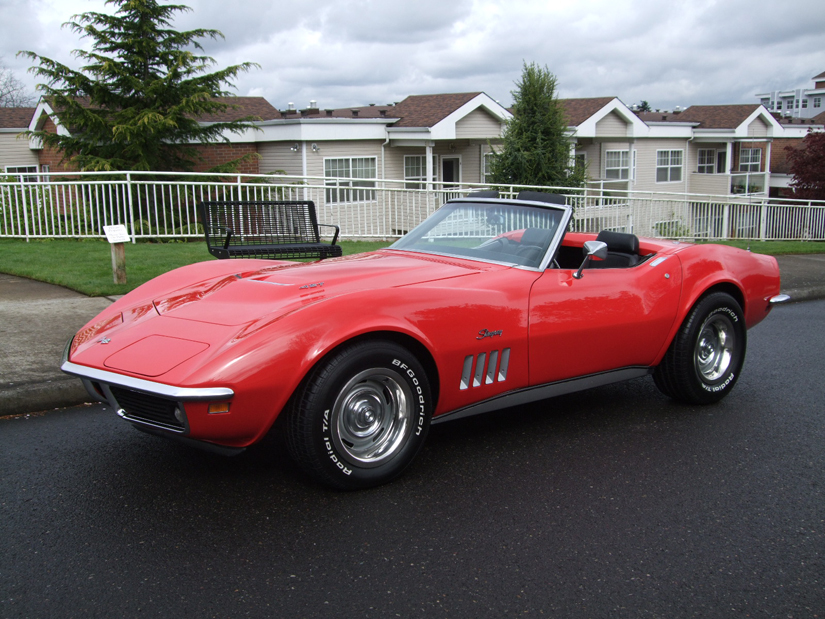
{"type": "Point", "coordinates": [485, 369]}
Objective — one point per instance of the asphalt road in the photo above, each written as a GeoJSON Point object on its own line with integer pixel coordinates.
{"type": "Point", "coordinates": [612, 503]}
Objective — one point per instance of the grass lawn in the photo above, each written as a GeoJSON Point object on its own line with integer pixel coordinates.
{"type": "Point", "coordinates": [86, 265]}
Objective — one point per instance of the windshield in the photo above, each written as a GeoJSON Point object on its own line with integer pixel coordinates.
{"type": "Point", "coordinates": [499, 232]}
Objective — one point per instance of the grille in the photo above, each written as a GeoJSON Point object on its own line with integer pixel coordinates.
{"type": "Point", "coordinates": [148, 409]}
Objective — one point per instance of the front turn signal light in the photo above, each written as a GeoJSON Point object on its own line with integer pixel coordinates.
{"type": "Point", "coordinates": [218, 407]}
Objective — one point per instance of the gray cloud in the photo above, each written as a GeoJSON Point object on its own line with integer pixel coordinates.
{"type": "Point", "coordinates": [353, 52]}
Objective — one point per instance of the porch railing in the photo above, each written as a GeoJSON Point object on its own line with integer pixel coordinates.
{"type": "Point", "coordinates": [163, 206]}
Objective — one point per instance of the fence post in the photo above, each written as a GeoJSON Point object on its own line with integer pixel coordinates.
{"type": "Point", "coordinates": [131, 207]}
{"type": "Point", "coordinates": [22, 195]}
{"type": "Point", "coordinates": [763, 221]}
{"type": "Point", "coordinates": [725, 221]}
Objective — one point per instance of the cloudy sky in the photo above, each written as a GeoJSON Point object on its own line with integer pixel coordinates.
{"type": "Point", "coordinates": [354, 52]}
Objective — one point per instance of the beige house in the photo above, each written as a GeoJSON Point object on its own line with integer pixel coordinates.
{"type": "Point", "coordinates": [445, 139]}
{"type": "Point", "coordinates": [705, 149]}
{"type": "Point", "coordinates": [423, 139]}
{"type": "Point", "coordinates": [16, 158]}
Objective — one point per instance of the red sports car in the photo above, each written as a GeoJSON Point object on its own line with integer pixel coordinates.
{"type": "Point", "coordinates": [488, 303]}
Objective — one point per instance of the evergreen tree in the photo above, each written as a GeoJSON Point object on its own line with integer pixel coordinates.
{"type": "Point", "coordinates": [135, 104]}
{"type": "Point", "coordinates": [536, 148]}
{"type": "Point", "coordinates": [808, 167]}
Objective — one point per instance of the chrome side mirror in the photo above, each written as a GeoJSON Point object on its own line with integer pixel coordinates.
{"type": "Point", "coordinates": [591, 249]}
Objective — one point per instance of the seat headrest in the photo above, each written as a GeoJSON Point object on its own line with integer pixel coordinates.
{"type": "Point", "coordinates": [619, 241]}
{"type": "Point", "coordinates": [540, 196]}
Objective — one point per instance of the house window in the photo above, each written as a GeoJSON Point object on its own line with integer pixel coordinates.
{"type": "Point", "coordinates": [487, 171]}
{"type": "Point", "coordinates": [23, 173]}
{"type": "Point", "coordinates": [750, 160]}
{"type": "Point", "coordinates": [668, 166]}
{"type": "Point", "coordinates": [617, 164]}
{"type": "Point", "coordinates": [707, 161]}
{"type": "Point", "coordinates": [817, 101]}
{"type": "Point", "coordinates": [415, 170]}
{"type": "Point", "coordinates": [804, 103]}
{"type": "Point", "coordinates": [350, 179]}
{"type": "Point", "coordinates": [778, 105]}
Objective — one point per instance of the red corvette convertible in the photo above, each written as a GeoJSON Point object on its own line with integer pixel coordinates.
{"type": "Point", "coordinates": [488, 303]}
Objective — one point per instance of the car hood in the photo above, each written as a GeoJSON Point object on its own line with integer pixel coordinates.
{"type": "Point", "coordinates": [248, 295]}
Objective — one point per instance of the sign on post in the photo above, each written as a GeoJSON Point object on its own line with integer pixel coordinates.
{"type": "Point", "coordinates": [117, 236]}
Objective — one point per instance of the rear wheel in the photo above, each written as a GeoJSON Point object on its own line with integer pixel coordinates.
{"type": "Point", "coordinates": [361, 416]}
{"type": "Point", "coordinates": [705, 358]}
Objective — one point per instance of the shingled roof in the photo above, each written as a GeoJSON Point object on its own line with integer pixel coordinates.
{"type": "Point", "coordinates": [429, 110]}
{"type": "Point", "coordinates": [579, 110]}
{"type": "Point", "coordinates": [240, 107]}
{"type": "Point", "coordinates": [16, 117]}
{"type": "Point", "coordinates": [717, 116]}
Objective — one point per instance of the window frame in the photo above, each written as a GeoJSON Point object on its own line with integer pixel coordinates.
{"type": "Point", "coordinates": [347, 188]}
{"type": "Point", "coordinates": [708, 163]}
{"type": "Point", "coordinates": [28, 173]}
{"type": "Point", "coordinates": [749, 165]}
{"type": "Point", "coordinates": [669, 167]}
{"type": "Point", "coordinates": [623, 171]}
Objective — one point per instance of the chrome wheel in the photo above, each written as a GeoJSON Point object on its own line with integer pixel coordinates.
{"type": "Point", "coordinates": [372, 417]}
{"type": "Point", "coordinates": [704, 360]}
{"type": "Point", "coordinates": [715, 348]}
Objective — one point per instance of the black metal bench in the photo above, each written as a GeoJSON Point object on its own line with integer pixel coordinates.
{"type": "Point", "coordinates": [273, 230]}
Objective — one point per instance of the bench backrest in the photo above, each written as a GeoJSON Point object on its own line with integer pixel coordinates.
{"type": "Point", "coordinates": [259, 223]}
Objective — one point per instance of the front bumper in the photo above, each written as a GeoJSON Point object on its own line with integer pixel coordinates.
{"type": "Point", "coordinates": [143, 402]}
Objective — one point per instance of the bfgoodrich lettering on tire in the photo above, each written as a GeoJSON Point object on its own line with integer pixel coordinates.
{"type": "Point", "coordinates": [361, 416]}
{"type": "Point", "coordinates": [705, 358]}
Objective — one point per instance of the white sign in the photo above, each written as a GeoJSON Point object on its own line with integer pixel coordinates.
{"type": "Point", "coordinates": [116, 234]}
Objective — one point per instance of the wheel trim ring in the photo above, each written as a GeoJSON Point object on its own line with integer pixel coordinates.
{"type": "Point", "coordinates": [371, 417]}
{"type": "Point", "coordinates": [715, 348]}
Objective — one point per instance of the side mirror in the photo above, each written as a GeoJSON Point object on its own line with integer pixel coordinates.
{"type": "Point", "coordinates": [591, 249]}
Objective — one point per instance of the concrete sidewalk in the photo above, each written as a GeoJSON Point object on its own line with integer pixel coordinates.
{"type": "Point", "coordinates": [37, 319]}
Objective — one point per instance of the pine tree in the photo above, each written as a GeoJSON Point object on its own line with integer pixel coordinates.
{"type": "Point", "coordinates": [536, 148]}
{"type": "Point", "coordinates": [135, 104]}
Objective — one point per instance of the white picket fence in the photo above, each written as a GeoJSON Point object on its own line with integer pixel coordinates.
{"type": "Point", "coordinates": [165, 206]}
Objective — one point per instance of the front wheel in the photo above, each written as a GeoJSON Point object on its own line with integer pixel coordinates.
{"type": "Point", "coordinates": [361, 416]}
{"type": "Point", "coordinates": [705, 358]}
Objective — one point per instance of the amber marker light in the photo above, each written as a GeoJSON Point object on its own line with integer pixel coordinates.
{"type": "Point", "coordinates": [218, 407]}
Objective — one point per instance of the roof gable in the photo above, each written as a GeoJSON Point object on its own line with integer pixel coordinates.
{"type": "Point", "coordinates": [584, 115]}
{"type": "Point", "coordinates": [429, 110]}
{"type": "Point", "coordinates": [580, 110]}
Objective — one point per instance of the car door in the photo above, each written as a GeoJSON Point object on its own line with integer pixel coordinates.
{"type": "Point", "coordinates": [608, 319]}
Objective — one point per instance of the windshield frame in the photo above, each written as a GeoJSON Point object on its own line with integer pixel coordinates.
{"type": "Point", "coordinates": [409, 242]}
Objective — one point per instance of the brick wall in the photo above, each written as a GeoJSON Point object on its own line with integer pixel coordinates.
{"type": "Point", "coordinates": [779, 156]}
{"type": "Point", "coordinates": [216, 154]}
{"type": "Point", "coordinates": [49, 156]}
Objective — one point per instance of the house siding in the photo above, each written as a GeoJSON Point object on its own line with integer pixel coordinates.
{"type": "Point", "coordinates": [758, 128]}
{"type": "Point", "coordinates": [478, 124]}
{"type": "Point", "coordinates": [646, 165]}
{"type": "Point", "coordinates": [278, 157]}
{"type": "Point", "coordinates": [611, 125]}
{"type": "Point", "coordinates": [15, 151]}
